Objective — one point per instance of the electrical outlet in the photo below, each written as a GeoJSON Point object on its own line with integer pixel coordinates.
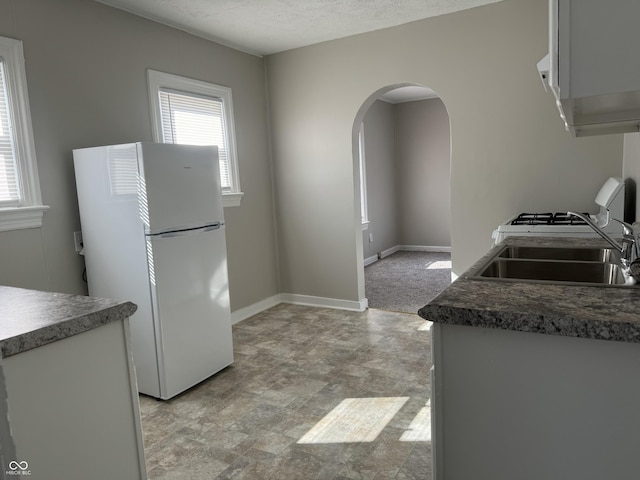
{"type": "Point", "coordinates": [370, 237]}
{"type": "Point", "coordinates": [77, 241]}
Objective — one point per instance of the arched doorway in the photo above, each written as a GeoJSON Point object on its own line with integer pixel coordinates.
{"type": "Point", "coordinates": [402, 161]}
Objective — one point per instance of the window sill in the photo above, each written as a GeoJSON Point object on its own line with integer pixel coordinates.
{"type": "Point", "coordinates": [232, 199]}
{"type": "Point", "coordinates": [365, 225]}
{"type": "Point", "coordinates": [17, 218]}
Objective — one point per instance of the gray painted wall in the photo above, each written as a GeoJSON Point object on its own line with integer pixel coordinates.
{"type": "Point", "coordinates": [510, 152]}
{"type": "Point", "coordinates": [86, 68]}
{"type": "Point", "coordinates": [423, 162]}
{"type": "Point", "coordinates": [86, 71]}
{"type": "Point", "coordinates": [408, 169]}
{"type": "Point", "coordinates": [381, 179]}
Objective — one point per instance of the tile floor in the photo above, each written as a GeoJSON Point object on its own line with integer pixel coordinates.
{"type": "Point", "coordinates": [308, 375]}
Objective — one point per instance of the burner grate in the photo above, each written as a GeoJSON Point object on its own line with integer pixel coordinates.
{"type": "Point", "coordinates": [558, 218]}
{"type": "Point", "coordinates": [565, 219]}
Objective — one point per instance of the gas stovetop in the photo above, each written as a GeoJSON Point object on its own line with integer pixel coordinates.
{"type": "Point", "coordinates": [558, 218]}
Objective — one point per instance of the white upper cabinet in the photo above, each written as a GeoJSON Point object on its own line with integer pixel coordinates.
{"type": "Point", "coordinates": [594, 64]}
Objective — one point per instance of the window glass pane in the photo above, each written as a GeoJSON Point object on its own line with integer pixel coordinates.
{"type": "Point", "coordinates": [9, 182]}
{"type": "Point", "coordinates": [195, 120]}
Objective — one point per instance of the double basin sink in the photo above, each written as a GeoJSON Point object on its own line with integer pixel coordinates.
{"type": "Point", "coordinates": [565, 265]}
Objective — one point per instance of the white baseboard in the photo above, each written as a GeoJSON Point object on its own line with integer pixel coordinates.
{"type": "Point", "coordinates": [372, 259]}
{"type": "Point", "coordinates": [424, 248]}
{"type": "Point", "coordinates": [364, 304]}
{"type": "Point", "coordinates": [251, 310]}
{"type": "Point", "coordinates": [389, 251]}
{"type": "Point", "coordinates": [357, 306]}
{"type": "Point", "coordinates": [308, 300]}
{"type": "Point", "coordinates": [407, 248]}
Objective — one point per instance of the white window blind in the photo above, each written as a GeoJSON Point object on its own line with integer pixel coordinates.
{"type": "Point", "coordinates": [193, 119]}
{"type": "Point", "coordinates": [9, 179]}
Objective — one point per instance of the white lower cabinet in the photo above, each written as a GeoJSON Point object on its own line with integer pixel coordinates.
{"type": "Point", "coordinates": [73, 409]}
{"type": "Point", "coordinates": [512, 405]}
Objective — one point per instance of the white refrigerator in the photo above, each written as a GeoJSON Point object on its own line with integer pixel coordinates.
{"type": "Point", "coordinates": [153, 233]}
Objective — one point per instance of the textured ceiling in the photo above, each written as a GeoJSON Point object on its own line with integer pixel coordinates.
{"type": "Point", "coordinates": [263, 27]}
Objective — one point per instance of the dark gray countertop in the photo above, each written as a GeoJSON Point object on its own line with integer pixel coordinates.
{"type": "Point", "coordinates": [606, 313]}
{"type": "Point", "coordinates": [30, 318]}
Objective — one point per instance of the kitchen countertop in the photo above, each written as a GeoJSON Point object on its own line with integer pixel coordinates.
{"type": "Point", "coordinates": [596, 312]}
{"type": "Point", "coordinates": [30, 318]}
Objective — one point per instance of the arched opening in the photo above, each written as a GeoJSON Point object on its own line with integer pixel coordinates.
{"type": "Point", "coordinates": [402, 163]}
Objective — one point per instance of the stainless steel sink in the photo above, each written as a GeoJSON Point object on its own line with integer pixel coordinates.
{"type": "Point", "coordinates": [587, 254]}
{"type": "Point", "coordinates": [564, 265]}
{"type": "Point", "coordinates": [554, 271]}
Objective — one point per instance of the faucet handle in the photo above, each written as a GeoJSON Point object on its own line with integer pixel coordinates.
{"type": "Point", "coordinates": [627, 227]}
{"type": "Point", "coordinates": [631, 245]}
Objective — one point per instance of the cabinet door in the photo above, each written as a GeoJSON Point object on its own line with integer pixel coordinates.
{"type": "Point", "coordinates": [601, 44]}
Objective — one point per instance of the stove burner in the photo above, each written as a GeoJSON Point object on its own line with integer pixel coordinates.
{"type": "Point", "coordinates": [533, 219]}
{"type": "Point", "coordinates": [547, 219]}
{"type": "Point", "coordinates": [564, 219]}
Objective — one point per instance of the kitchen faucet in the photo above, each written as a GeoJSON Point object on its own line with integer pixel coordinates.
{"type": "Point", "coordinates": [628, 248]}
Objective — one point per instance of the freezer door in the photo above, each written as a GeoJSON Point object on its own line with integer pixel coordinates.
{"type": "Point", "coordinates": [181, 186]}
{"type": "Point", "coordinates": [191, 303]}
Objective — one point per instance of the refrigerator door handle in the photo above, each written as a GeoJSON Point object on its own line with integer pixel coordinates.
{"type": "Point", "coordinates": [181, 233]}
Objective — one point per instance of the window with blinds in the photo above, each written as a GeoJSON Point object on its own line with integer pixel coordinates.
{"type": "Point", "coordinates": [9, 179]}
{"type": "Point", "coordinates": [189, 111]}
{"type": "Point", "coordinates": [193, 119]}
{"type": "Point", "coordinates": [20, 201]}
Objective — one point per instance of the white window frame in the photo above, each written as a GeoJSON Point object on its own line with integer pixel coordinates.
{"type": "Point", "coordinates": [158, 80]}
{"type": "Point", "coordinates": [28, 213]}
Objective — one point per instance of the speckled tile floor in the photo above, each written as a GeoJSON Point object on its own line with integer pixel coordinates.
{"type": "Point", "coordinates": [297, 368]}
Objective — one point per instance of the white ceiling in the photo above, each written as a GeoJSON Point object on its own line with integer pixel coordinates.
{"type": "Point", "coordinates": [263, 27]}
